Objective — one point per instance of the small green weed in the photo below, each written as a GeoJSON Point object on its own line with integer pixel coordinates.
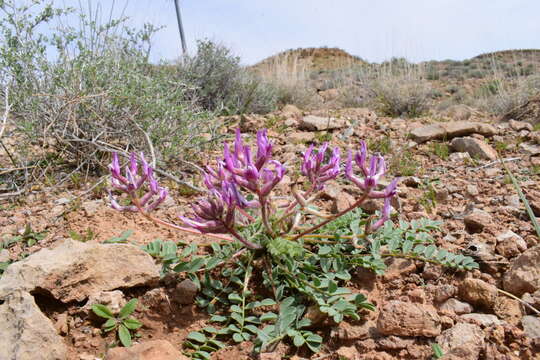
{"type": "Point", "coordinates": [88, 235]}
{"type": "Point", "coordinates": [404, 164]}
{"type": "Point", "coordinates": [122, 323]}
{"type": "Point", "coordinates": [437, 351]}
{"type": "Point", "coordinates": [441, 150]}
{"type": "Point", "coordinates": [119, 239]}
{"type": "Point", "coordinates": [381, 145]}
{"type": "Point", "coordinates": [29, 237]}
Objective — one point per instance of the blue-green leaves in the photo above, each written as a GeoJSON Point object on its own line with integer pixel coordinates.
{"type": "Point", "coordinates": [122, 322]}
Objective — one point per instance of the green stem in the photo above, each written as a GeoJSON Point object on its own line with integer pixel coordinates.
{"type": "Point", "coordinates": [341, 213]}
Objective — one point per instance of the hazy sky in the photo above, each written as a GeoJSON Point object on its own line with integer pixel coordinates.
{"type": "Point", "coordinates": [372, 29]}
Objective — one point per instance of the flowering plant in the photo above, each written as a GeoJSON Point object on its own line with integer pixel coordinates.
{"type": "Point", "coordinates": [240, 189]}
{"type": "Point", "coordinates": [303, 256]}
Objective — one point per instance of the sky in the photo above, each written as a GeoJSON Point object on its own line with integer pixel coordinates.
{"type": "Point", "coordinates": [374, 30]}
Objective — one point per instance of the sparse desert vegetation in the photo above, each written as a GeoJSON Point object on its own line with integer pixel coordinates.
{"type": "Point", "coordinates": [311, 206]}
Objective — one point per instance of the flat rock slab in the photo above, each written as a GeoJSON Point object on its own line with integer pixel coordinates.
{"type": "Point", "coordinates": [319, 123]}
{"type": "Point", "coordinates": [524, 273]}
{"type": "Point", "coordinates": [475, 148]}
{"type": "Point", "coordinates": [463, 340]}
{"type": "Point", "coordinates": [27, 334]}
{"type": "Point", "coordinates": [449, 130]}
{"type": "Point", "coordinates": [408, 319]}
{"type": "Point", "coordinates": [75, 270]}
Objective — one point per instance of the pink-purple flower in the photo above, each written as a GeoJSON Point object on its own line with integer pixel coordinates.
{"type": "Point", "coordinates": [133, 180]}
{"type": "Point", "coordinates": [317, 171]}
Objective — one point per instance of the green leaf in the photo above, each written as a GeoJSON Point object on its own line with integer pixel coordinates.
{"type": "Point", "coordinates": [429, 251]}
{"type": "Point", "coordinates": [218, 318]}
{"type": "Point", "coordinates": [132, 324]}
{"type": "Point", "coordinates": [124, 335]}
{"type": "Point", "coordinates": [269, 316]}
{"type": "Point", "coordinates": [234, 297]}
{"type": "Point", "coordinates": [204, 355]}
{"type": "Point", "coordinates": [407, 246]}
{"type": "Point", "coordinates": [237, 337]}
{"type": "Point", "coordinates": [102, 311]}
{"type": "Point", "coordinates": [210, 330]}
{"type": "Point", "coordinates": [109, 325]}
{"type": "Point", "coordinates": [196, 336]}
{"type": "Point", "coordinates": [267, 302]}
{"type": "Point", "coordinates": [299, 340]}
{"type": "Point", "coordinates": [437, 351]}
{"type": "Point", "coordinates": [128, 309]}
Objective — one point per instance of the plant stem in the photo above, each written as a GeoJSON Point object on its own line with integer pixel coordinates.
{"type": "Point", "coordinates": [518, 299]}
{"type": "Point", "coordinates": [341, 213]}
{"type": "Point", "coordinates": [264, 215]}
{"type": "Point", "coordinates": [174, 226]}
{"type": "Point", "coordinates": [247, 243]}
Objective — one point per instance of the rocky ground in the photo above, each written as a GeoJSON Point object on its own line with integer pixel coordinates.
{"type": "Point", "coordinates": [62, 263]}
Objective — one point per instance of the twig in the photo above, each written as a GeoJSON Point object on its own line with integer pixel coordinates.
{"type": "Point", "coordinates": [109, 148]}
{"type": "Point", "coordinates": [148, 141]}
{"type": "Point", "coordinates": [518, 299]}
{"type": "Point", "coordinates": [496, 162]}
{"type": "Point", "coordinates": [7, 107]}
{"type": "Point", "coordinates": [11, 194]}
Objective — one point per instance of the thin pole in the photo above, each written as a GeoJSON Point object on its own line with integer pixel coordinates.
{"type": "Point", "coordinates": [180, 27]}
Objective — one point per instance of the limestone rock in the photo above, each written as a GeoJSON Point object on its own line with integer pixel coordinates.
{"type": "Point", "coordinates": [475, 147]}
{"type": "Point", "coordinates": [477, 220]}
{"type": "Point", "coordinates": [185, 292]}
{"type": "Point", "coordinates": [508, 309]}
{"type": "Point", "coordinates": [485, 320]}
{"type": "Point", "coordinates": [478, 292]}
{"type": "Point", "coordinates": [510, 244]}
{"type": "Point", "coordinates": [450, 130]}
{"type": "Point", "coordinates": [408, 319]}
{"type": "Point", "coordinates": [114, 300]}
{"type": "Point", "coordinates": [529, 149]}
{"type": "Point", "coordinates": [520, 125]}
{"type": "Point", "coordinates": [27, 334]}
{"type": "Point", "coordinates": [464, 341]}
{"type": "Point", "coordinates": [150, 350]}
{"type": "Point", "coordinates": [291, 111]}
{"type": "Point", "coordinates": [524, 273]}
{"type": "Point", "coordinates": [75, 270]}
{"type": "Point", "coordinates": [456, 306]}
{"type": "Point", "coordinates": [318, 123]}
{"type": "Point", "coordinates": [531, 326]}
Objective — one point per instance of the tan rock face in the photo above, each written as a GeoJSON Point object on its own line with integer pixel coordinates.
{"type": "Point", "coordinates": [478, 292]}
{"type": "Point", "coordinates": [408, 319]}
{"type": "Point", "coordinates": [508, 309]}
{"type": "Point", "coordinates": [319, 123]}
{"type": "Point", "coordinates": [477, 220]}
{"type": "Point", "coordinates": [475, 148]}
{"type": "Point", "coordinates": [75, 270]}
{"type": "Point", "coordinates": [510, 244]}
{"type": "Point", "coordinates": [150, 350]}
{"type": "Point", "coordinates": [524, 273]}
{"type": "Point", "coordinates": [450, 130]}
{"type": "Point", "coordinates": [464, 341]}
{"type": "Point", "coordinates": [27, 334]}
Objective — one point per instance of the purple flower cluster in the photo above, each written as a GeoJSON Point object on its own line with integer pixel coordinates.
{"type": "Point", "coordinates": [239, 171]}
{"type": "Point", "coordinates": [370, 179]}
{"type": "Point", "coordinates": [133, 181]}
{"type": "Point", "coordinates": [314, 168]}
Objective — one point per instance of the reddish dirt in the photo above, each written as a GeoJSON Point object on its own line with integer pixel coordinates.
{"type": "Point", "coordinates": [410, 281]}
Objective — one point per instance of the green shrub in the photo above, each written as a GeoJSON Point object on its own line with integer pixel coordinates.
{"type": "Point", "coordinates": [219, 83]}
{"type": "Point", "coordinates": [98, 92]}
